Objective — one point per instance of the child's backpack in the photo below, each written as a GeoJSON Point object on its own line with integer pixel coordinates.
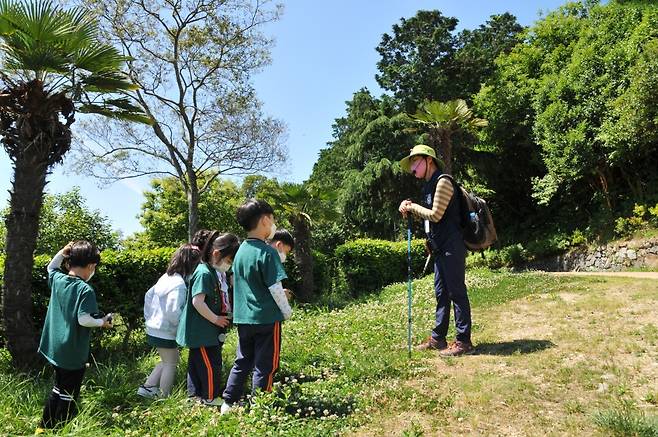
{"type": "Point", "coordinates": [476, 220]}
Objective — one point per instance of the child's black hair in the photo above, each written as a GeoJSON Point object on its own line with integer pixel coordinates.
{"type": "Point", "coordinates": [200, 238]}
{"type": "Point", "coordinates": [184, 260]}
{"type": "Point", "coordinates": [250, 213]}
{"type": "Point", "coordinates": [81, 253]}
{"type": "Point", "coordinates": [285, 237]}
{"type": "Point", "coordinates": [227, 244]}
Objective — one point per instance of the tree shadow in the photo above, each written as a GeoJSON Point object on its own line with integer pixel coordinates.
{"type": "Point", "coordinates": [520, 346]}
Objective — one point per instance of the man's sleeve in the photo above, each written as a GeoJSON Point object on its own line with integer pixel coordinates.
{"type": "Point", "coordinates": [442, 196]}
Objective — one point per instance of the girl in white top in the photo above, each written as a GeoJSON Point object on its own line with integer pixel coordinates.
{"type": "Point", "coordinates": [163, 305]}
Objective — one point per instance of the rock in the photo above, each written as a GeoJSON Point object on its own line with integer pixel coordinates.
{"type": "Point", "coordinates": [631, 254]}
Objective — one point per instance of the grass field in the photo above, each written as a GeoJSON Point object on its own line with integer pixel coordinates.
{"type": "Point", "coordinates": [555, 356]}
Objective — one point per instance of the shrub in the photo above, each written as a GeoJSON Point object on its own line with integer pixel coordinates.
{"type": "Point", "coordinates": [120, 282]}
{"type": "Point", "coordinates": [627, 226]}
{"type": "Point", "coordinates": [369, 265]}
{"type": "Point", "coordinates": [323, 271]}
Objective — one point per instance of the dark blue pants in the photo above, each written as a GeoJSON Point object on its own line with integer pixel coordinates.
{"type": "Point", "coordinates": [259, 347]}
{"type": "Point", "coordinates": [449, 286]}
{"type": "Point", "coordinates": [204, 370]}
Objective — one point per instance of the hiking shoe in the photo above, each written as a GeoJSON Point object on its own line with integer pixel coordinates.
{"type": "Point", "coordinates": [458, 348]}
{"type": "Point", "coordinates": [148, 392]}
{"type": "Point", "coordinates": [433, 344]}
{"type": "Point", "coordinates": [212, 402]}
{"type": "Point", "coordinates": [226, 408]}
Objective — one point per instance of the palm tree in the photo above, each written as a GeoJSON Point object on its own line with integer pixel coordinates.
{"type": "Point", "coordinates": [443, 120]}
{"type": "Point", "coordinates": [53, 65]}
{"type": "Point", "coordinates": [299, 202]}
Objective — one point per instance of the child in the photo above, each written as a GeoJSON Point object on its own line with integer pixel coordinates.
{"type": "Point", "coordinates": [283, 242]}
{"type": "Point", "coordinates": [260, 303]}
{"type": "Point", "coordinates": [163, 305]}
{"type": "Point", "coordinates": [66, 330]}
{"type": "Point", "coordinates": [205, 317]}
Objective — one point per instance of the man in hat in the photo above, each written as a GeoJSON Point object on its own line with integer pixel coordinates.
{"type": "Point", "coordinates": [442, 218]}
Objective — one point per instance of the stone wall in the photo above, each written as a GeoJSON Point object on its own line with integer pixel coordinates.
{"type": "Point", "coordinates": [613, 257]}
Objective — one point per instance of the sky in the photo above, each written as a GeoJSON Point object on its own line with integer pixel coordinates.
{"type": "Point", "coordinates": [324, 53]}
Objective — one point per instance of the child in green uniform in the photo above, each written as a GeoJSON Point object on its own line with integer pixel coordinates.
{"type": "Point", "coordinates": [260, 303]}
{"type": "Point", "coordinates": [66, 330]}
{"type": "Point", "coordinates": [205, 317]}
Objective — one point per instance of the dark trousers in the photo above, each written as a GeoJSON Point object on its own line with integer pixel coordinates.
{"type": "Point", "coordinates": [259, 348]}
{"type": "Point", "coordinates": [204, 370]}
{"type": "Point", "coordinates": [61, 405]}
{"type": "Point", "coordinates": [449, 286]}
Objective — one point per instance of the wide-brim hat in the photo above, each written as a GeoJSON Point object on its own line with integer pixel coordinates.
{"type": "Point", "coordinates": [420, 149]}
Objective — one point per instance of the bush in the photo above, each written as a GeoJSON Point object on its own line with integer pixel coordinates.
{"type": "Point", "coordinates": [369, 265]}
{"type": "Point", "coordinates": [121, 280]}
{"type": "Point", "coordinates": [323, 272]}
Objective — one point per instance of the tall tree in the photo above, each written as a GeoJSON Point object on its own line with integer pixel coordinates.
{"type": "Point", "coordinates": [52, 62]}
{"type": "Point", "coordinates": [193, 61]}
{"type": "Point", "coordinates": [443, 120]}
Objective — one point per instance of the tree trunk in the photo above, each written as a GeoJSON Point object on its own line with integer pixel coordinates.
{"type": "Point", "coordinates": [192, 206]}
{"type": "Point", "coordinates": [446, 151]}
{"type": "Point", "coordinates": [303, 257]}
{"type": "Point", "coordinates": [22, 230]}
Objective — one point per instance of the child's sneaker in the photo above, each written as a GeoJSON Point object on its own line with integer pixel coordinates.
{"type": "Point", "coordinates": [226, 408]}
{"type": "Point", "coordinates": [212, 402]}
{"type": "Point", "coordinates": [148, 392]}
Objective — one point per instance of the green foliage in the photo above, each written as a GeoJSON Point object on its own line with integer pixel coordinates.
{"type": "Point", "coordinates": [368, 265]}
{"type": "Point", "coordinates": [641, 218]}
{"type": "Point", "coordinates": [121, 280]}
{"type": "Point", "coordinates": [627, 420]}
{"type": "Point", "coordinates": [165, 213]}
{"type": "Point", "coordinates": [66, 217]}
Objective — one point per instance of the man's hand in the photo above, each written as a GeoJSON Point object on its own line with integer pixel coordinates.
{"type": "Point", "coordinates": [404, 207]}
{"type": "Point", "coordinates": [222, 321]}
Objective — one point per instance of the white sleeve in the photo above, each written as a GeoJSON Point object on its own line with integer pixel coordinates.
{"type": "Point", "coordinates": [174, 304]}
{"type": "Point", "coordinates": [89, 322]}
{"type": "Point", "coordinates": [281, 300]}
{"type": "Point", "coordinates": [56, 262]}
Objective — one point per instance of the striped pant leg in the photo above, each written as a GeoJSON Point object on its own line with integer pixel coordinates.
{"type": "Point", "coordinates": [61, 405]}
{"type": "Point", "coordinates": [205, 370]}
{"type": "Point", "coordinates": [267, 356]}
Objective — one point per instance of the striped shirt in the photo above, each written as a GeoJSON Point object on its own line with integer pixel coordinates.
{"type": "Point", "coordinates": [442, 196]}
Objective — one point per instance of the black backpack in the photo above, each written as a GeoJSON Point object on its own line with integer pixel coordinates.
{"type": "Point", "coordinates": [476, 220]}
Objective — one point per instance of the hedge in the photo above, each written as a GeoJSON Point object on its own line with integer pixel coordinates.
{"type": "Point", "coordinates": [368, 265]}
{"type": "Point", "coordinates": [121, 280]}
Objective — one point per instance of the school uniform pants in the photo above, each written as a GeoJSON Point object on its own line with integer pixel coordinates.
{"type": "Point", "coordinates": [450, 287]}
{"type": "Point", "coordinates": [61, 405]}
{"type": "Point", "coordinates": [259, 348]}
{"type": "Point", "coordinates": [204, 368]}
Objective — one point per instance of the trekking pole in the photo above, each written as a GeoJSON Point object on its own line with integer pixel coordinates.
{"type": "Point", "coordinates": [409, 223]}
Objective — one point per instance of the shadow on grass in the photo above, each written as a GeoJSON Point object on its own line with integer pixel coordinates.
{"type": "Point", "coordinates": [521, 346]}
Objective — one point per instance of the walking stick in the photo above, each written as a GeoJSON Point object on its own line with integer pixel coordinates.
{"type": "Point", "coordinates": [409, 286]}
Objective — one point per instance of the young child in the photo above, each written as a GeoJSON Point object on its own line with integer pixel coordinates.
{"type": "Point", "coordinates": [283, 242]}
{"type": "Point", "coordinates": [205, 318]}
{"type": "Point", "coordinates": [163, 305]}
{"type": "Point", "coordinates": [66, 331]}
{"type": "Point", "coordinates": [260, 303]}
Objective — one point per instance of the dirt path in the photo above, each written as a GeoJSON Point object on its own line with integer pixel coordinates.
{"type": "Point", "coordinates": [545, 364]}
{"type": "Point", "coordinates": [638, 275]}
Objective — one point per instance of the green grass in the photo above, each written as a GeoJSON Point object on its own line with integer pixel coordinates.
{"type": "Point", "coordinates": [336, 367]}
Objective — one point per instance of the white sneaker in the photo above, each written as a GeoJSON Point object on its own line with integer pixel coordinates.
{"type": "Point", "coordinates": [212, 402]}
{"type": "Point", "coordinates": [148, 392]}
{"type": "Point", "coordinates": [226, 408]}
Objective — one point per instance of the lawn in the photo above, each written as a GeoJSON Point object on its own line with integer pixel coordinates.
{"type": "Point", "coordinates": [557, 356]}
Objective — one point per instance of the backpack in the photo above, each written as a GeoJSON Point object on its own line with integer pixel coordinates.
{"type": "Point", "coordinates": [476, 220]}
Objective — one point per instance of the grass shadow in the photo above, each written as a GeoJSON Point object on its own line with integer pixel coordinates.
{"type": "Point", "coordinates": [520, 346]}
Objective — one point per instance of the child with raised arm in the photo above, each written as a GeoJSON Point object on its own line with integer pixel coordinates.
{"type": "Point", "coordinates": [163, 304]}
{"type": "Point", "coordinates": [259, 303]}
{"type": "Point", "coordinates": [205, 317]}
{"type": "Point", "coordinates": [66, 331]}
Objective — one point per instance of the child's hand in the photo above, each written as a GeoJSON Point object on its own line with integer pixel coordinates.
{"type": "Point", "coordinates": [222, 321]}
{"type": "Point", "coordinates": [107, 321]}
{"type": "Point", "coordinates": [288, 293]}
